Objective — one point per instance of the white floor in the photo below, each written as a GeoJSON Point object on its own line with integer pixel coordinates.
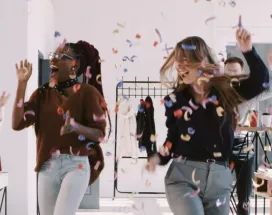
{"type": "Point", "coordinates": [141, 206]}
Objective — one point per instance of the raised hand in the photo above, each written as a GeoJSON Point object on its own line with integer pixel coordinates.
{"type": "Point", "coordinates": [152, 163]}
{"type": "Point", "coordinates": [3, 99]}
{"type": "Point", "coordinates": [243, 38]}
{"type": "Point", "coordinates": [24, 71]}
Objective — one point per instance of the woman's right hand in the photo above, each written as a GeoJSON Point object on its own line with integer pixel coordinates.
{"type": "Point", "coordinates": [24, 71]}
{"type": "Point", "coordinates": [153, 161]}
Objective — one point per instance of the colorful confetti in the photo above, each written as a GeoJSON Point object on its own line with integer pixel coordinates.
{"type": "Point", "coordinates": [187, 109]}
{"type": "Point", "coordinates": [131, 59]}
{"type": "Point", "coordinates": [155, 43]}
{"type": "Point", "coordinates": [209, 19]}
{"type": "Point", "coordinates": [178, 113]}
{"type": "Point", "coordinates": [217, 154]}
{"type": "Point", "coordinates": [29, 112]}
{"type": "Point", "coordinates": [195, 107]}
{"type": "Point", "coordinates": [256, 185]}
{"type": "Point", "coordinates": [56, 34]}
{"type": "Point", "coordinates": [168, 103]}
{"type": "Point", "coordinates": [138, 36]}
{"type": "Point", "coordinates": [108, 154]}
{"type": "Point", "coordinates": [266, 85]}
{"type": "Point", "coordinates": [147, 183]}
{"type": "Point", "coordinates": [81, 137]}
{"type": "Point", "coordinates": [199, 72]}
{"type": "Point", "coordinates": [98, 79]}
{"type": "Point", "coordinates": [193, 177]}
{"type": "Point", "coordinates": [186, 116]}
{"type": "Point", "coordinates": [97, 165]}
{"type": "Point", "coordinates": [240, 22]}
{"type": "Point", "coordinates": [121, 25]}
{"type": "Point", "coordinates": [142, 149]}
{"type": "Point", "coordinates": [191, 131]}
{"type": "Point", "coordinates": [159, 34]}
{"type": "Point", "coordinates": [115, 51]}
{"type": "Point", "coordinates": [219, 111]}
{"type": "Point", "coordinates": [99, 118]}
{"type": "Point", "coordinates": [115, 31]}
{"type": "Point", "coordinates": [76, 88]}
{"type": "Point", "coordinates": [20, 103]}
{"type": "Point", "coordinates": [80, 166]}
{"type": "Point", "coordinates": [129, 42]}
{"type": "Point", "coordinates": [186, 137]}
{"type": "Point", "coordinates": [219, 203]}
{"type": "Point", "coordinates": [188, 47]}
{"type": "Point", "coordinates": [88, 73]}
{"type": "Point", "coordinates": [88, 145]}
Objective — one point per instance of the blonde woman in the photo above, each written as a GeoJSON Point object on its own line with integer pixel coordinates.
{"type": "Point", "coordinates": [201, 118]}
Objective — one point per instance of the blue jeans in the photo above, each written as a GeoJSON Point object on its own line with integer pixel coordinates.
{"type": "Point", "coordinates": [62, 183]}
{"type": "Point", "coordinates": [215, 183]}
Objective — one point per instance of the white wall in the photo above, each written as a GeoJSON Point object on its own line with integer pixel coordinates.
{"type": "Point", "coordinates": [95, 21]}
{"type": "Point", "coordinates": [24, 31]}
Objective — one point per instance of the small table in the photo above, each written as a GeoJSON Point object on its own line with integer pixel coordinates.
{"type": "Point", "coordinates": [256, 140]}
{"type": "Point", "coordinates": [3, 186]}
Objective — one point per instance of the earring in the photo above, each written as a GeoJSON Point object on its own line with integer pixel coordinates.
{"type": "Point", "coordinates": [72, 73]}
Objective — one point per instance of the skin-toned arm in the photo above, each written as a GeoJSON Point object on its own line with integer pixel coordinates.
{"type": "Point", "coordinates": [23, 75]}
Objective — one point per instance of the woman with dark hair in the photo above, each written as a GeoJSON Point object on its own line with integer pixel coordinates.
{"type": "Point", "coordinates": [69, 119]}
{"type": "Point", "coordinates": [201, 119]}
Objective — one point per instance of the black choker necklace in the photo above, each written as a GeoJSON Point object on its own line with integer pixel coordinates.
{"type": "Point", "coordinates": [60, 86]}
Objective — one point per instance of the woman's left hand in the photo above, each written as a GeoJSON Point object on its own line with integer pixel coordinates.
{"type": "Point", "coordinates": [3, 99]}
{"type": "Point", "coordinates": [243, 38]}
{"type": "Point", "coordinates": [67, 127]}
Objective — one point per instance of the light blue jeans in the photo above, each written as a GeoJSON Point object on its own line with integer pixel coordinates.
{"type": "Point", "coordinates": [62, 183]}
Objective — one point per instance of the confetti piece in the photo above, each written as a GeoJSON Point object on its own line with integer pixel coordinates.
{"type": "Point", "coordinates": [80, 166]}
{"type": "Point", "coordinates": [219, 203]}
{"type": "Point", "coordinates": [125, 70]}
{"type": "Point", "coordinates": [131, 59]}
{"type": "Point", "coordinates": [159, 34]}
{"type": "Point", "coordinates": [168, 103]}
{"type": "Point", "coordinates": [247, 149]}
{"type": "Point", "coordinates": [120, 84]}
{"type": "Point", "coordinates": [197, 89]}
{"type": "Point", "coordinates": [267, 148]}
{"type": "Point", "coordinates": [89, 144]}
{"type": "Point", "coordinates": [97, 165]}
{"type": "Point", "coordinates": [153, 138]}
{"type": "Point", "coordinates": [173, 97]}
{"type": "Point", "coordinates": [140, 108]}
{"type": "Point", "coordinates": [191, 131]}
{"type": "Point", "coordinates": [164, 151]}
{"type": "Point", "coordinates": [108, 154]}
{"type": "Point", "coordinates": [256, 185]}
{"type": "Point", "coordinates": [217, 154]}
{"type": "Point", "coordinates": [29, 112]}
{"type": "Point", "coordinates": [20, 103]}
{"type": "Point", "coordinates": [97, 79]}
{"type": "Point", "coordinates": [123, 170]}
{"type": "Point", "coordinates": [216, 102]}
{"type": "Point", "coordinates": [115, 31]}
{"type": "Point", "coordinates": [57, 34]}
{"type": "Point", "coordinates": [266, 85]}
{"type": "Point", "coordinates": [142, 149]}
{"type": "Point", "coordinates": [168, 145]}
{"type": "Point", "coordinates": [209, 19]}
{"type": "Point", "coordinates": [186, 137]}
{"type": "Point", "coordinates": [186, 116]}
{"type": "Point", "coordinates": [121, 25]}
{"type": "Point", "coordinates": [195, 107]}
{"type": "Point", "coordinates": [192, 195]}
{"type": "Point", "coordinates": [187, 109]}
{"type": "Point", "coordinates": [53, 82]}
{"type": "Point", "coordinates": [246, 206]}
{"type": "Point", "coordinates": [213, 98]}
{"type": "Point", "coordinates": [115, 51]}
{"type": "Point", "coordinates": [71, 151]}
{"type": "Point", "coordinates": [188, 47]}
{"type": "Point", "coordinates": [147, 183]}
{"type": "Point", "coordinates": [138, 36]}
{"type": "Point", "coordinates": [61, 46]}
{"type": "Point", "coordinates": [155, 43]}
{"type": "Point", "coordinates": [205, 102]}
{"type": "Point", "coordinates": [55, 154]}
{"type": "Point", "coordinates": [137, 136]}
{"type": "Point", "coordinates": [88, 73]}
{"type": "Point", "coordinates": [193, 177]}
{"type": "Point", "coordinates": [240, 21]}
{"type": "Point", "coordinates": [205, 79]}
{"type": "Point", "coordinates": [199, 72]}
{"type": "Point", "coordinates": [81, 137]}
{"type": "Point", "coordinates": [129, 42]}
{"type": "Point", "coordinates": [219, 111]}
{"type": "Point", "coordinates": [76, 88]}
{"type": "Point", "coordinates": [178, 113]}
{"type": "Point", "coordinates": [99, 118]}
{"type": "Point", "coordinates": [232, 3]}
{"type": "Point", "coordinates": [222, 3]}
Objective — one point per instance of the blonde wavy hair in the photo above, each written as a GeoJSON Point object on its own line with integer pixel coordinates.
{"type": "Point", "coordinates": [201, 58]}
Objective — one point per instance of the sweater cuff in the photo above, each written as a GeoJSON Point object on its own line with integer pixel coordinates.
{"type": "Point", "coordinates": [250, 53]}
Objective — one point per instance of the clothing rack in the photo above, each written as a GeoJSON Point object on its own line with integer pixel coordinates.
{"type": "Point", "coordinates": [125, 90]}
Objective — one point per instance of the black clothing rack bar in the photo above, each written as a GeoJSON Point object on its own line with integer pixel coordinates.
{"type": "Point", "coordinates": [125, 91]}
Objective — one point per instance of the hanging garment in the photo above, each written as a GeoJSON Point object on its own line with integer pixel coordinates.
{"type": "Point", "coordinates": [127, 130]}
{"type": "Point", "coordinates": [146, 126]}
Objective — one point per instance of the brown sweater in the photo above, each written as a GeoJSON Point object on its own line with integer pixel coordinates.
{"type": "Point", "coordinates": [82, 106]}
